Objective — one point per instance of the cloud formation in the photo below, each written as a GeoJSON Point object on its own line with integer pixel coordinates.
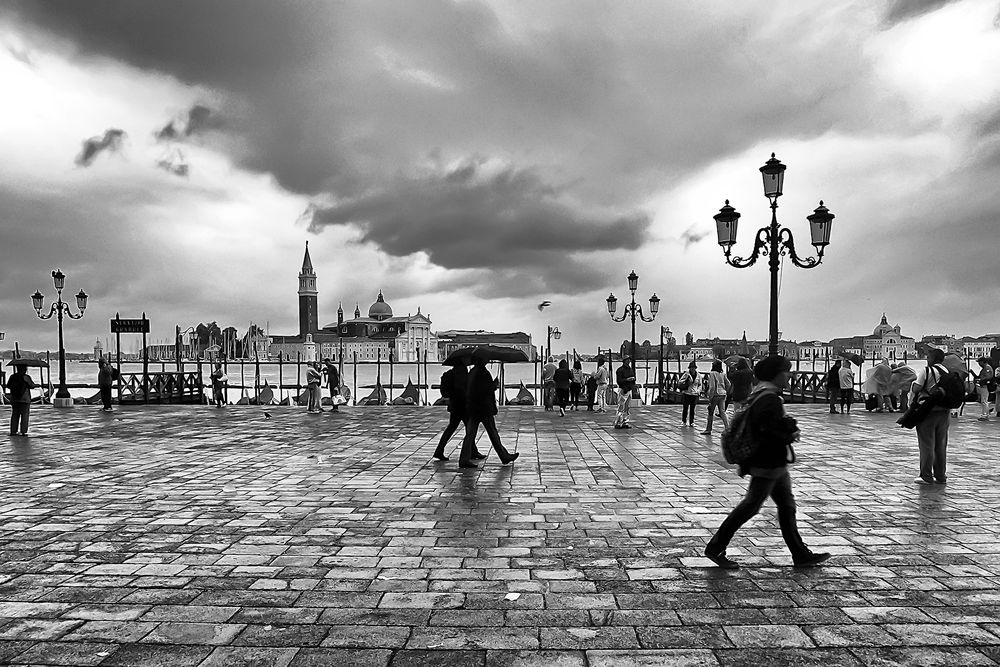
{"type": "Point", "coordinates": [91, 148]}
{"type": "Point", "coordinates": [476, 217]}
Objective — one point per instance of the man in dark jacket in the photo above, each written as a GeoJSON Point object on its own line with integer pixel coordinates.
{"type": "Point", "coordinates": [773, 433]}
{"type": "Point", "coordinates": [833, 386]}
{"type": "Point", "coordinates": [20, 384]}
{"type": "Point", "coordinates": [625, 376]}
{"type": "Point", "coordinates": [481, 407]}
{"type": "Point", "coordinates": [454, 387]}
{"type": "Point", "coordinates": [106, 376]}
{"type": "Point", "coordinates": [742, 381]}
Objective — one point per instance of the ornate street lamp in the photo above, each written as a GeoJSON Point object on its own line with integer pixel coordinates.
{"type": "Point", "coordinates": [632, 309]}
{"type": "Point", "coordinates": [62, 398]}
{"type": "Point", "coordinates": [550, 333]}
{"type": "Point", "coordinates": [774, 241]}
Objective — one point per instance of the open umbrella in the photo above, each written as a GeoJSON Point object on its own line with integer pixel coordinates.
{"type": "Point", "coordinates": [853, 357]}
{"type": "Point", "coordinates": [31, 363]}
{"type": "Point", "coordinates": [460, 357]}
{"type": "Point", "coordinates": [955, 364]}
{"type": "Point", "coordinates": [734, 359]}
{"type": "Point", "coordinates": [509, 355]}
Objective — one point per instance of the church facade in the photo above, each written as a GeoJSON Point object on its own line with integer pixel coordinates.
{"type": "Point", "coordinates": [377, 337]}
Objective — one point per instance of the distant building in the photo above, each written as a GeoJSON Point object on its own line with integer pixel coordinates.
{"type": "Point", "coordinates": [945, 342]}
{"type": "Point", "coordinates": [454, 339]}
{"type": "Point", "coordinates": [973, 348]}
{"type": "Point", "coordinates": [885, 342]}
{"type": "Point", "coordinates": [375, 337]}
{"type": "Point", "coordinates": [98, 350]}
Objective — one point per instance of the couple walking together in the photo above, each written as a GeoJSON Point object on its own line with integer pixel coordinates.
{"type": "Point", "coordinates": [471, 401]}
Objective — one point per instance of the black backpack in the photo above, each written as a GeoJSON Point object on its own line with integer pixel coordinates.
{"type": "Point", "coordinates": [950, 389]}
{"type": "Point", "coordinates": [447, 383]}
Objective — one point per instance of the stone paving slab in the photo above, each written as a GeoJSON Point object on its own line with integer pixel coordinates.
{"type": "Point", "coordinates": [184, 535]}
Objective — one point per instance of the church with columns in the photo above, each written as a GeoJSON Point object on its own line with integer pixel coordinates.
{"type": "Point", "coordinates": [375, 337]}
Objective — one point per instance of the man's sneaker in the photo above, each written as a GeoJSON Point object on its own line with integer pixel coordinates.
{"type": "Point", "coordinates": [721, 560]}
{"type": "Point", "coordinates": [810, 560]}
{"type": "Point", "coordinates": [921, 480]}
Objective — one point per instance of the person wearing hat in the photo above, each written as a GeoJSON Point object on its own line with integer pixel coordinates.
{"type": "Point", "coordinates": [773, 433]}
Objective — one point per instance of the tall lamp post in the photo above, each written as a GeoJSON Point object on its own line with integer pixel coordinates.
{"type": "Point", "coordinates": [550, 333]}
{"type": "Point", "coordinates": [774, 241]}
{"type": "Point", "coordinates": [62, 398]}
{"type": "Point", "coordinates": [633, 309]}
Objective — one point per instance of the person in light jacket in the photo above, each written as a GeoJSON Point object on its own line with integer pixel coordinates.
{"type": "Point", "coordinates": [602, 377]}
{"type": "Point", "coordinates": [846, 375]}
{"type": "Point", "coordinates": [932, 432]}
{"type": "Point", "coordinates": [717, 388]}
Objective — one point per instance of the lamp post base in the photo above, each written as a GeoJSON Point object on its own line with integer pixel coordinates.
{"type": "Point", "coordinates": [62, 402]}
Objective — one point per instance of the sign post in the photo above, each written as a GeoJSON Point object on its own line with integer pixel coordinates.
{"type": "Point", "coordinates": [140, 326]}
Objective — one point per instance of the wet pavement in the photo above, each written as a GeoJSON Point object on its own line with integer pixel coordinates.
{"type": "Point", "coordinates": [202, 536]}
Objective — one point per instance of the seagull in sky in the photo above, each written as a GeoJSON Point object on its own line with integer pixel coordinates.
{"type": "Point", "coordinates": [543, 305]}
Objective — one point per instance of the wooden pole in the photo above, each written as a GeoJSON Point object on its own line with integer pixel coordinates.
{"type": "Point", "coordinates": [298, 376]}
{"type": "Point", "coordinates": [280, 377]}
{"type": "Point", "coordinates": [145, 364]}
{"type": "Point", "coordinates": [391, 375]}
{"type": "Point", "coordinates": [354, 396]}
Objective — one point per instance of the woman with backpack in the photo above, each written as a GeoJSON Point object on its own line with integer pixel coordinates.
{"type": "Point", "coordinates": [771, 433]}
{"type": "Point", "coordinates": [690, 388]}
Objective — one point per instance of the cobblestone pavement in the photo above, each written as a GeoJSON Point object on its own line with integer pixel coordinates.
{"type": "Point", "coordinates": [202, 536]}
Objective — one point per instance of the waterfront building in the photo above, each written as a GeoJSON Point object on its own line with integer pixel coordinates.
{"type": "Point", "coordinates": [814, 349]}
{"type": "Point", "coordinates": [454, 339]}
{"type": "Point", "coordinates": [946, 342]}
{"type": "Point", "coordinates": [973, 348]}
{"type": "Point", "coordinates": [98, 349]}
{"type": "Point", "coordinates": [885, 342]}
{"type": "Point", "coordinates": [370, 338]}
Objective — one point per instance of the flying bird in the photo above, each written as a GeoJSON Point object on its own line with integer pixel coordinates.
{"type": "Point", "coordinates": [267, 415]}
{"type": "Point", "coordinates": [543, 305]}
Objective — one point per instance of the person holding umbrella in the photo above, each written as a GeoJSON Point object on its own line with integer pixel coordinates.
{"type": "Point", "coordinates": [454, 387]}
{"type": "Point", "coordinates": [481, 408]}
{"type": "Point", "coordinates": [19, 384]}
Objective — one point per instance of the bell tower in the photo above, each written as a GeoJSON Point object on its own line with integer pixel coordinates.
{"type": "Point", "coordinates": [308, 315]}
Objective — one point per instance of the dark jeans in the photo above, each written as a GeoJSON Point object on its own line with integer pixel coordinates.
{"type": "Point", "coordinates": [562, 396]}
{"type": "Point", "coordinates": [688, 401]}
{"type": "Point", "coordinates": [833, 393]}
{"type": "Point", "coordinates": [591, 397]}
{"type": "Point", "coordinates": [19, 416]}
{"type": "Point", "coordinates": [574, 392]}
{"type": "Point", "coordinates": [454, 419]}
{"type": "Point", "coordinates": [472, 429]}
{"type": "Point", "coordinates": [780, 491]}
{"type": "Point", "coordinates": [106, 397]}
{"type": "Point", "coordinates": [846, 398]}
{"type": "Point", "coordinates": [932, 439]}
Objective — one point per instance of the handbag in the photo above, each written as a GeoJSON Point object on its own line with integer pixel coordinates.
{"type": "Point", "coordinates": [916, 412]}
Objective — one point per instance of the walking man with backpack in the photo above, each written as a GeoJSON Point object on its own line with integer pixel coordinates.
{"type": "Point", "coordinates": [935, 383]}
{"type": "Point", "coordinates": [771, 433]}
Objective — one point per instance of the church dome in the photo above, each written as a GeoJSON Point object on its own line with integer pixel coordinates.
{"type": "Point", "coordinates": [380, 310]}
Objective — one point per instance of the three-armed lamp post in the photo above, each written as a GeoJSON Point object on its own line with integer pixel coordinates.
{"type": "Point", "coordinates": [773, 240]}
{"type": "Point", "coordinates": [62, 398]}
{"type": "Point", "coordinates": [633, 309]}
{"type": "Point", "coordinates": [550, 333]}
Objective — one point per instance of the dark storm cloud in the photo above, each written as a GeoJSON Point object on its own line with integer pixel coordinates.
{"type": "Point", "coordinates": [91, 148]}
{"type": "Point", "coordinates": [199, 119]}
{"type": "Point", "coordinates": [903, 10]}
{"type": "Point", "coordinates": [690, 237]}
{"type": "Point", "coordinates": [471, 218]}
{"type": "Point", "coordinates": [174, 163]}
{"type": "Point", "coordinates": [334, 97]}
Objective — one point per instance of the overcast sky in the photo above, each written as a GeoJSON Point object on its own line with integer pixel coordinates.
{"type": "Point", "coordinates": [474, 159]}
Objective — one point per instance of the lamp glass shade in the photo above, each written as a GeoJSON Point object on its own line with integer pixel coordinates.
{"type": "Point", "coordinates": [36, 300]}
{"type": "Point", "coordinates": [81, 301]}
{"type": "Point", "coordinates": [820, 223]}
{"type": "Point", "coordinates": [556, 334]}
{"type": "Point", "coordinates": [633, 281]}
{"type": "Point", "coordinates": [654, 304]}
{"type": "Point", "coordinates": [726, 223]}
{"type": "Point", "coordinates": [612, 303]}
{"type": "Point", "coordinates": [773, 173]}
{"type": "Point", "coordinates": [58, 279]}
